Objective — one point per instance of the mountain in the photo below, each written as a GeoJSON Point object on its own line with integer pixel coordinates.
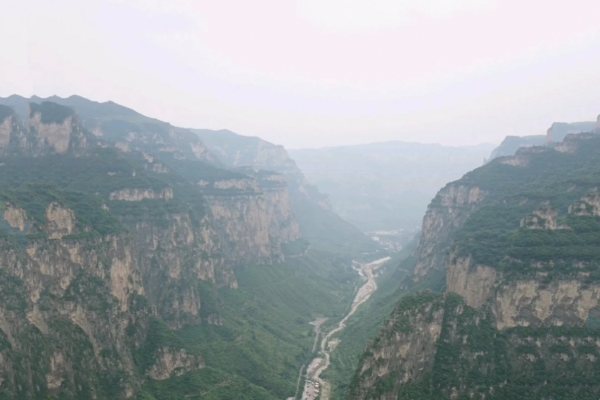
{"type": "Point", "coordinates": [511, 144]}
{"type": "Point", "coordinates": [559, 130]}
{"type": "Point", "coordinates": [319, 224]}
{"type": "Point", "coordinates": [386, 186]}
{"type": "Point", "coordinates": [136, 264]}
{"type": "Point", "coordinates": [515, 245]}
{"type": "Point", "coordinates": [556, 133]}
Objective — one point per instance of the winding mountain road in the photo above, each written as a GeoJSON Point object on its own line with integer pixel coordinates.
{"type": "Point", "coordinates": [314, 384]}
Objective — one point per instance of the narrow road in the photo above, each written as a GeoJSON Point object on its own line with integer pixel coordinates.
{"type": "Point", "coordinates": [317, 331]}
{"type": "Point", "coordinates": [314, 384]}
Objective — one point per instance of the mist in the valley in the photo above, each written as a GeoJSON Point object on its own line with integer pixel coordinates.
{"type": "Point", "coordinates": [300, 200]}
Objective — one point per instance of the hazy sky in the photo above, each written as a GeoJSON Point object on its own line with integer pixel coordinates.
{"type": "Point", "coordinates": [308, 73]}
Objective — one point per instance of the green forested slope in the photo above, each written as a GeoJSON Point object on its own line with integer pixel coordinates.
{"type": "Point", "coordinates": [519, 316]}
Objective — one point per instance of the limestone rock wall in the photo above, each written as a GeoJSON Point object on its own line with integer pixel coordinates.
{"type": "Point", "coordinates": [403, 352]}
{"type": "Point", "coordinates": [449, 210]}
{"type": "Point", "coordinates": [475, 283]}
{"type": "Point", "coordinates": [253, 226]}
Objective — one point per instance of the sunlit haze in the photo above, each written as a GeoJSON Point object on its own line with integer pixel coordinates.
{"type": "Point", "coordinates": [311, 73]}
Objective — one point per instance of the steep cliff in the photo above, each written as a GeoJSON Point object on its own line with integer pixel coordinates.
{"type": "Point", "coordinates": [253, 218]}
{"type": "Point", "coordinates": [449, 210]}
{"type": "Point", "coordinates": [318, 223]}
{"type": "Point", "coordinates": [111, 242]}
{"type": "Point", "coordinates": [517, 241]}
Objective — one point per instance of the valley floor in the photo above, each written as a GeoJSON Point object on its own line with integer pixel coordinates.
{"type": "Point", "coordinates": [314, 385]}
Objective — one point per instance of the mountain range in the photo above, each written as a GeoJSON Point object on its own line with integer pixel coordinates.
{"type": "Point", "coordinates": [386, 186]}
{"type": "Point", "coordinates": [140, 260]}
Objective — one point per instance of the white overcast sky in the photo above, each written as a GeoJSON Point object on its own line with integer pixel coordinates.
{"type": "Point", "coordinates": [308, 73]}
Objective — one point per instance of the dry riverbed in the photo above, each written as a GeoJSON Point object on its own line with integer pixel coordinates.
{"type": "Point", "coordinates": [314, 385]}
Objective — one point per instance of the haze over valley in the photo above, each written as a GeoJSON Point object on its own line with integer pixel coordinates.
{"type": "Point", "coordinates": [300, 200]}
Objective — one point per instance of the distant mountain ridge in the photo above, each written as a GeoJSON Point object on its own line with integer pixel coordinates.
{"type": "Point", "coordinates": [511, 144]}
{"type": "Point", "coordinates": [386, 186]}
{"type": "Point", "coordinates": [556, 133]}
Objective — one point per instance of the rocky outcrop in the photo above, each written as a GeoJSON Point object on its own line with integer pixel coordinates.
{"type": "Point", "coordinates": [474, 283]}
{"type": "Point", "coordinates": [252, 223]}
{"type": "Point", "coordinates": [60, 221]}
{"type": "Point", "coordinates": [531, 303]}
{"type": "Point", "coordinates": [523, 303]}
{"type": "Point", "coordinates": [55, 129]}
{"type": "Point", "coordinates": [187, 253]}
{"type": "Point", "coordinates": [16, 218]}
{"type": "Point", "coordinates": [170, 362]}
{"type": "Point", "coordinates": [13, 136]}
{"type": "Point", "coordinates": [137, 194]}
{"type": "Point", "coordinates": [514, 161]}
{"type": "Point", "coordinates": [56, 136]}
{"type": "Point", "coordinates": [587, 206]}
{"type": "Point", "coordinates": [55, 375]}
{"type": "Point", "coordinates": [6, 127]}
{"type": "Point", "coordinates": [450, 208]}
{"type": "Point", "coordinates": [544, 218]}
{"type": "Point", "coordinates": [402, 353]}
{"type": "Point", "coordinates": [247, 151]}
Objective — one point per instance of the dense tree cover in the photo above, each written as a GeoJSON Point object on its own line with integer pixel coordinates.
{"type": "Point", "coordinates": [493, 234]}
{"type": "Point", "coordinates": [265, 334]}
{"type": "Point", "coordinates": [51, 113]}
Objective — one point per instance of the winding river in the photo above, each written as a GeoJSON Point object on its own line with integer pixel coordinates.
{"type": "Point", "coordinates": [314, 385]}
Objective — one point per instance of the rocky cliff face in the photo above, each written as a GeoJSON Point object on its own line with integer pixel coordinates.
{"type": "Point", "coordinates": [259, 158]}
{"type": "Point", "coordinates": [247, 151]}
{"type": "Point", "coordinates": [559, 130]}
{"type": "Point", "coordinates": [449, 209]}
{"type": "Point", "coordinates": [400, 355]}
{"type": "Point", "coordinates": [11, 132]}
{"type": "Point", "coordinates": [253, 219]}
{"type": "Point", "coordinates": [107, 241]}
{"type": "Point", "coordinates": [49, 129]}
{"type": "Point", "coordinates": [102, 292]}
{"type": "Point", "coordinates": [65, 304]}
{"type": "Point", "coordinates": [517, 241]}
